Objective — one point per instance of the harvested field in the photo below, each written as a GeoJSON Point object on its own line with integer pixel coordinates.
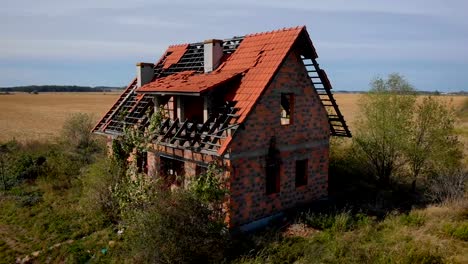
{"type": "Point", "coordinates": [38, 117]}
{"type": "Point", "coordinates": [349, 105]}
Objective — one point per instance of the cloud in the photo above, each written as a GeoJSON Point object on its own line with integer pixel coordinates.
{"type": "Point", "coordinates": [360, 31]}
{"type": "Point", "coordinates": [76, 49]}
{"type": "Point", "coordinates": [418, 50]}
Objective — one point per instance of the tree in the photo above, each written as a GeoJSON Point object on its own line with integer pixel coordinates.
{"type": "Point", "coordinates": [395, 133]}
{"type": "Point", "coordinates": [77, 137]}
{"type": "Point", "coordinates": [433, 144]}
{"type": "Point", "coordinates": [384, 126]}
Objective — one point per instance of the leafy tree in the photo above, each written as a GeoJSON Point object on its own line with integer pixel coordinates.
{"type": "Point", "coordinates": [433, 144]}
{"type": "Point", "coordinates": [397, 134]}
{"type": "Point", "coordinates": [384, 125]}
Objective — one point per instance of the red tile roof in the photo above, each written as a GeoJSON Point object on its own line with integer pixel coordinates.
{"type": "Point", "coordinates": [174, 53]}
{"type": "Point", "coordinates": [258, 58]}
{"type": "Point", "coordinates": [189, 82]}
{"type": "Point", "coordinates": [261, 54]}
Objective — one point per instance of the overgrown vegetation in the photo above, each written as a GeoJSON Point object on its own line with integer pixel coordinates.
{"type": "Point", "coordinates": [397, 136]}
{"type": "Point", "coordinates": [67, 201]}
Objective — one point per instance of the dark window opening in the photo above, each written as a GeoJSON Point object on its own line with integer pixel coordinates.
{"type": "Point", "coordinates": [142, 162]}
{"type": "Point", "coordinates": [301, 172]}
{"type": "Point", "coordinates": [287, 101]}
{"type": "Point", "coordinates": [193, 108]}
{"type": "Point", "coordinates": [172, 171]}
{"type": "Point", "coordinates": [272, 168]}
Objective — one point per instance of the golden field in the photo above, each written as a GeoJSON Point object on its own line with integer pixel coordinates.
{"type": "Point", "coordinates": [26, 116]}
{"type": "Point", "coordinates": [37, 117]}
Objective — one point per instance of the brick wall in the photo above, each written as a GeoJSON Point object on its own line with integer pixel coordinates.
{"type": "Point", "coordinates": [307, 137]}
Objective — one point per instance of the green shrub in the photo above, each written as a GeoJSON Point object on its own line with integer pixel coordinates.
{"type": "Point", "coordinates": [422, 255]}
{"type": "Point", "coordinates": [77, 253]}
{"type": "Point", "coordinates": [176, 227]}
{"type": "Point", "coordinates": [413, 219]}
{"type": "Point", "coordinates": [336, 222]}
{"type": "Point", "coordinates": [318, 220]}
{"type": "Point", "coordinates": [459, 231]}
{"type": "Point", "coordinates": [98, 181]}
{"type": "Point", "coordinates": [30, 198]}
{"type": "Point", "coordinates": [288, 250]}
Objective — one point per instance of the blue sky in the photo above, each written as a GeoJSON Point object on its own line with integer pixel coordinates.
{"type": "Point", "coordinates": [89, 42]}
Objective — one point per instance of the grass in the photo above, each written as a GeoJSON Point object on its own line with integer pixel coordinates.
{"type": "Point", "coordinates": [52, 219]}
{"type": "Point", "coordinates": [36, 217]}
{"type": "Point", "coordinates": [432, 235]}
{"type": "Point", "coordinates": [29, 117]}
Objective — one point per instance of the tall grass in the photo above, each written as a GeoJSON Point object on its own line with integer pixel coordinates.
{"type": "Point", "coordinates": [433, 235]}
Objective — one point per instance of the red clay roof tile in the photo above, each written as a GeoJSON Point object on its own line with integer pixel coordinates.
{"type": "Point", "coordinates": [257, 58]}
{"type": "Point", "coordinates": [189, 82]}
{"type": "Point", "coordinates": [174, 53]}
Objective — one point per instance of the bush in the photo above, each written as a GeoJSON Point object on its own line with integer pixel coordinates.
{"type": "Point", "coordinates": [287, 250]}
{"type": "Point", "coordinates": [98, 180]}
{"type": "Point", "coordinates": [76, 131]}
{"type": "Point", "coordinates": [335, 222]}
{"type": "Point", "coordinates": [413, 219]}
{"type": "Point", "coordinates": [459, 231]}
{"type": "Point", "coordinates": [176, 227]}
{"type": "Point", "coordinates": [19, 163]}
{"type": "Point", "coordinates": [77, 139]}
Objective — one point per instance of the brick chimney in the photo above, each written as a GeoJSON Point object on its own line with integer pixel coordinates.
{"type": "Point", "coordinates": [145, 73]}
{"type": "Point", "coordinates": [213, 52]}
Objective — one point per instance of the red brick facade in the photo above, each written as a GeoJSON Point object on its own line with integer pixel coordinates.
{"type": "Point", "coordinates": [305, 138]}
{"type": "Point", "coordinates": [263, 111]}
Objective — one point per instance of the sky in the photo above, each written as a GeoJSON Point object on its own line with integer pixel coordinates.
{"type": "Point", "coordinates": [98, 42]}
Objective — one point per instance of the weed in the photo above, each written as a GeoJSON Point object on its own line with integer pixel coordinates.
{"type": "Point", "coordinates": [413, 219]}
{"type": "Point", "coordinates": [457, 230]}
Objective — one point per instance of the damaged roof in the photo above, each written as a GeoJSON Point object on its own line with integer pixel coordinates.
{"type": "Point", "coordinates": [252, 60]}
{"type": "Point", "coordinates": [189, 82]}
{"type": "Point", "coordinates": [257, 58]}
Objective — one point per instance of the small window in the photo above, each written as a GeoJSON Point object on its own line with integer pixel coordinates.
{"type": "Point", "coordinates": [301, 172]}
{"type": "Point", "coordinates": [172, 171]}
{"type": "Point", "coordinates": [286, 108]}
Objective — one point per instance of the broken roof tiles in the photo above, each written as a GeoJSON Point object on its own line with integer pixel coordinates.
{"type": "Point", "coordinates": [258, 56]}
{"type": "Point", "coordinates": [253, 60]}
{"type": "Point", "coordinates": [189, 82]}
{"type": "Point", "coordinates": [173, 54]}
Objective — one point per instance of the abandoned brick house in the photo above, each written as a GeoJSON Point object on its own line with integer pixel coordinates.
{"type": "Point", "coordinates": [258, 104]}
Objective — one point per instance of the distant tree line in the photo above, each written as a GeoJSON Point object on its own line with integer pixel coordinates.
{"type": "Point", "coordinates": [58, 88]}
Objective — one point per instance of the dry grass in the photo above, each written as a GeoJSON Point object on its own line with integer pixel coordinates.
{"type": "Point", "coordinates": [37, 117]}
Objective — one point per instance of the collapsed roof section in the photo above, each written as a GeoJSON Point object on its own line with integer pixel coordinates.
{"type": "Point", "coordinates": [253, 60]}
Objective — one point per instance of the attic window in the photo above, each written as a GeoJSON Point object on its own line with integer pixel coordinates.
{"type": "Point", "coordinates": [287, 100]}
